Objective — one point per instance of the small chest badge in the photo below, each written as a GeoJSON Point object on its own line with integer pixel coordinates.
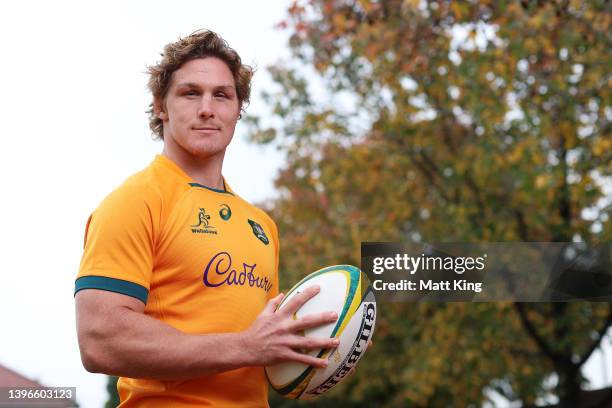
{"type": "Point", "coordinates": [203, 225]}
{"type": "Point", "coordinates": [259, 232]}
{"type": "Point", "coordinates": [225, 212]}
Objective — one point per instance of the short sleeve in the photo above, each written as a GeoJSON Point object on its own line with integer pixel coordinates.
{"type": "Point", "coordinates": [119, 244]}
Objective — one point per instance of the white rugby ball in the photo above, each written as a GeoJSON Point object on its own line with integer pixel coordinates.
{"type": "Point", "coordinates": [346, 290]}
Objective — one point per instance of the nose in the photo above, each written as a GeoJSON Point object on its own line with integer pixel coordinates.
{"type": "Point", "coordinates": [206, 110]}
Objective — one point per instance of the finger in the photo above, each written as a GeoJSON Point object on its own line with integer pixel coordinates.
{"type": "Point", "coordinates": [273, 303]}
{"type": "Point", "coordinates": [309, 360]}
{"type": "Point", "coordinates": [311, 343]}
{"type": "Point", "coordinates": [313, 320]}
{"type": "Point", "coordinates": [299, 299]}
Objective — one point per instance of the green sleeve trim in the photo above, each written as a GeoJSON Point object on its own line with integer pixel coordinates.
{"type": "Point", "coordinates": [112, 285]}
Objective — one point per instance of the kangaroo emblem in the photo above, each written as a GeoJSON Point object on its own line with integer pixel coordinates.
{"type": "Point", "coordinates": [202, 219]}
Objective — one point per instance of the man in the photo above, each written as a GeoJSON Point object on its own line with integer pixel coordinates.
{"type": "Point", "coordinates": [178, 285]}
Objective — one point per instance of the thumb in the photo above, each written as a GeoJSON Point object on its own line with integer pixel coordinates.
{"type": "Point", "coordinates": [273, 303]}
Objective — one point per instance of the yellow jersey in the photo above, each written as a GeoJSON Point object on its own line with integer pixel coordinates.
{"type": "Point", "coordinates": [201, 260]}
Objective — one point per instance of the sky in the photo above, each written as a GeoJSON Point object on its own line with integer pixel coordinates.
{"type": "Point", "coordinates": [72, 108]}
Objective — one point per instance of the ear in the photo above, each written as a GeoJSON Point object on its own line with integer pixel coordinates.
{"type": "Point", "coordinates": [160, 110]}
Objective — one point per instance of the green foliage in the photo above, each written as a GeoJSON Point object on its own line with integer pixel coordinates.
{"type": "Point", "coordinates": [448, 121]}
{"type": "Point", "coordinates": [113, 396]}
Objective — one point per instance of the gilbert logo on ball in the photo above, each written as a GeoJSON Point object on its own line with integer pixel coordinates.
{"type": "Point", "coordinates": [347, 291]}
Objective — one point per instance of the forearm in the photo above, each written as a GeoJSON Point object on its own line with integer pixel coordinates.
{"type": "Point", "coordinates": [135, 345]}
{"type": "Point", "coordinates": [117, 338]}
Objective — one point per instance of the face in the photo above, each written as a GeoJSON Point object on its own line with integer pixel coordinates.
{"type": "Point", "coordinates": [200, 110]}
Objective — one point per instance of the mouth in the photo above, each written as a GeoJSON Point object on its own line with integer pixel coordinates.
{"type": "Point", "coordinates": [206, 129]}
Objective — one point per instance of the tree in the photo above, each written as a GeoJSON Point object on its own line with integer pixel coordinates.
{"type": "Point", "coordinates": [432, 121]}
{"type": "Point", "coordinates": [113, 395]}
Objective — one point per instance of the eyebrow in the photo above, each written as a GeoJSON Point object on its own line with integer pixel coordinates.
{"type": "Point", "coordinates": [194, 85]}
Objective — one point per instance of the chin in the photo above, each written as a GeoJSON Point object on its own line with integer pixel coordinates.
{"type": "Point", "coordinates": [207, 152]}
{"type": "Point", "coordinates": [198, 148]}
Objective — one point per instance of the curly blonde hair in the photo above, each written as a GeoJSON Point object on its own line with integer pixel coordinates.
{"type": "Point", "coordinates": [199, 44]}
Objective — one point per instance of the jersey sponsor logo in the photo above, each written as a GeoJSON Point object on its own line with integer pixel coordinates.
{"type": "Point", "coordinates": [219, 272]}
{"type": "Point", "coordinates": [225, 212]}
{"type": "Point", "coordinates": [203, 225]}
{"type": "Point", "coordinates": [259, 232]}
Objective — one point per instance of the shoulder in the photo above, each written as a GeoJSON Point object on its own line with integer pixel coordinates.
{"type": "Point", "coordinates": [134, 198]}
{"type": "Point", "coordinates": [265, 217]}
{"type": "Point", "coordinates": [139, 187]}
{"type": "Point", "coordinates": [152, 190]}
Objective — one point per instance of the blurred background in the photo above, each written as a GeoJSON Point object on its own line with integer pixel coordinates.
{"type": "Point", "coordinates": [389, 120]}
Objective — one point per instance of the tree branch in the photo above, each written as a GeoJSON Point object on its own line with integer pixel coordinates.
{"type": "Point", "coordinates": [601, 333]}
{"type": "Point", "coordinates": [531, 330]}
{"type": "Point", "coordinates": [431, 179]}
{"type": "Point", "coordinates": [522, 225]}
{"type": "Point", "coordinates": [604, 402]}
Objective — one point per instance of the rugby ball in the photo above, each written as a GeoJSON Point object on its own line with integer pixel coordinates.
{"type": "Point", "coordinates": [346, 290]}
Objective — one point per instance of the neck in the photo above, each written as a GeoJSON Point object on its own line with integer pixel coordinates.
{"type": "Point", "coordinates": [203, 170]}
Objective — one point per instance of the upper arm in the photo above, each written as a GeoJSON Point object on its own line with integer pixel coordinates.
{"type": "Point", "coordinates": [98, 315]}
{"type": "Point", "coordinates": [116, 266]}
{"type": "Point", "coordinates": [97, 309]}
{"type": "Point", "coordinates": [95, 303]}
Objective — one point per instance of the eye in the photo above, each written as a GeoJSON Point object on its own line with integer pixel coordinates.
{"type": "Point", "coordinates": [221, 95]}
{"type": "Point", "coordinates": [189, 93]}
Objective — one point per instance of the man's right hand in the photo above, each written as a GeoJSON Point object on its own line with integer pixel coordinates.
{"type": "Point", "coordinates": [274, 336]}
